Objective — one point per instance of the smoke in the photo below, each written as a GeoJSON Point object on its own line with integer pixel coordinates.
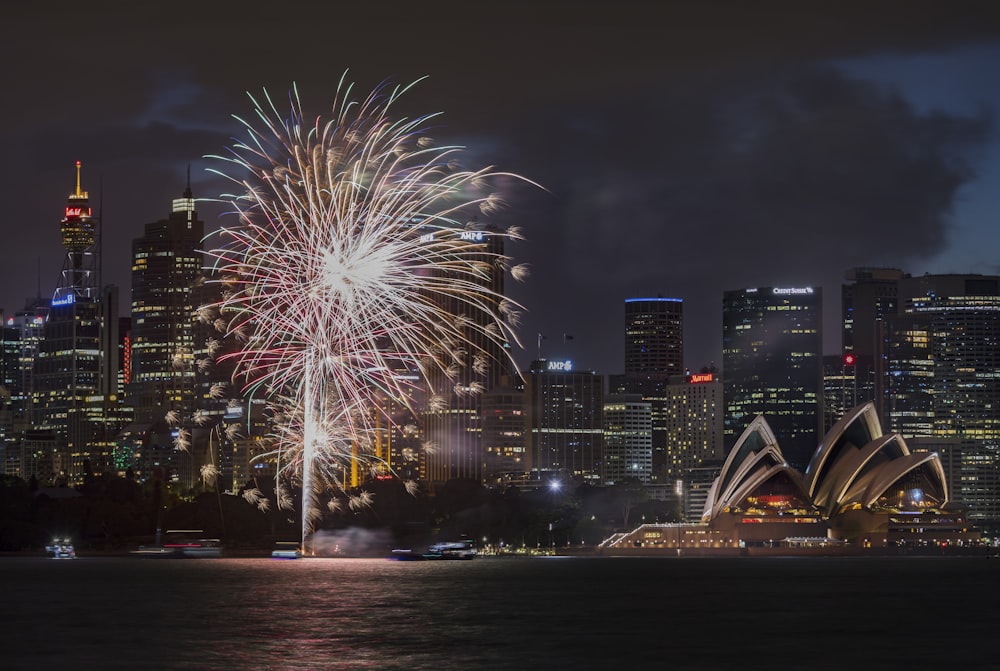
{"type": "Point", "coordinates": [351, 542]}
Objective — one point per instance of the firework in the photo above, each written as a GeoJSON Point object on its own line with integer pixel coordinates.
{"type": "Point", "coordinates": [351, 238]}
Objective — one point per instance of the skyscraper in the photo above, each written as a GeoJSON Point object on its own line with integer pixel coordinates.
{"type": "Point", "coordinates": [772, 365]}
{"type": "Point", "coordinates": [564, 419]}
{"type": "Point", "coordinates": [654, 351]}
{"type": "Point", "coordinates": [166, 263]}
{"type": "Point", "coordinates": [866, 302]}
{"type": "Point", "coordinates": [452, 416]}
{"type": "Point", "coordinates": [75, 358]}
{"type": "Point", "coordinates": [654, 337]}
{"type": "Point", "coordinates": [628, 449]}
{"type": "Point", "coordinates": [694, 423]}
{"type": "Point", "coordinates": [943, 381]}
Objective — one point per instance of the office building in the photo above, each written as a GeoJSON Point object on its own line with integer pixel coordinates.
{"type": "Point", "coordinates": [564, 416]}
{"type": "Point", "coordinates": [943, 380]}
{"type": "Point", "coordinates": [452, 413]}
{"type": "Point", "coordinates": [76, 356]}
{"type": "Point", "coordinates": [866, 302]}
{"type": "Point", "coordinates": [654, 337]}
{"type": "Point", "coordinates": [22, 335]}
{"type": "Point", "coordinates": [772, 365]}
{"type": "Point", "coordinates": [628, 445]}
{"type": "Point", "coordinates": [654, 351]}
{"type": "Point", "coordinates": [694, 423]}
{"type": "Point", "coordinates": [166, 264]}
{"type": "Point", "coordinates": [504, 432]}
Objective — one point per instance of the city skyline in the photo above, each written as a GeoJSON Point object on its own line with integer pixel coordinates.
{"type": "Point", "coordinates": [685, 150]}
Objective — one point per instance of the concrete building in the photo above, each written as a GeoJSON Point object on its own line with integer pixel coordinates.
{"type": "Point", "coordinates": [628, 446]}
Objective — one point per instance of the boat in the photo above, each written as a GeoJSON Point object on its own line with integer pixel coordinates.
{"type": "Point", "coordinates": [402, 554]}
{"type": "Point", "coordinates": [451, 550]}
{"type": "Point", "coordinates": [182, 544]}
{"type": "Point", "coordinates": [286, 550]}
{"type": "Point", "coordinates": [61, 548]}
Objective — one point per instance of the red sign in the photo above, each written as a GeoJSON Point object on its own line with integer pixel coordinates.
{"type": "Point", "coordinates": [77, 212]}
{"type": "Point", "coordinates": [701, 377]}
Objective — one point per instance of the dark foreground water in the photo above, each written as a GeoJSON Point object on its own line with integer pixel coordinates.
{"type": "Point", "coordinates": [520, 613]}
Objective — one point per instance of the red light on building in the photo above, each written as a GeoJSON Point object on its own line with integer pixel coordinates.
{"type": "Point", "coordinates": [127, 360]}
{"type": "Point", "coordinates": [76, 212]}
{"type": "Point", "coordinates": [699, 378]}
{"type": "Point", "coordinates": [849, 359]}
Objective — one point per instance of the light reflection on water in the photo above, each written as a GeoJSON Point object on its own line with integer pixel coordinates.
{"type": "Point", "coordinates": [538, 613]}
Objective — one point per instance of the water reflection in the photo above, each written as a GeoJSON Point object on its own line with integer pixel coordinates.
{"type": "Point", "coordinates": [490, 613]}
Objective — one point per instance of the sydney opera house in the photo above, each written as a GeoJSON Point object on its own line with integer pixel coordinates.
{"type": "Point", "coordinates": [862, 490]}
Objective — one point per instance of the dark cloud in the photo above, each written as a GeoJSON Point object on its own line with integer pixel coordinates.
{"type": "Point", "coordinates": [788, 179]}
{"type": "Point", "coordinates": [688, 147]}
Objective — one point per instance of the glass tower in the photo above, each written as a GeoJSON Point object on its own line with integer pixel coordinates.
{"type": "Point", "coordinates": [772, 365]}
{"type": "Point", "coordinates": [943, 381]}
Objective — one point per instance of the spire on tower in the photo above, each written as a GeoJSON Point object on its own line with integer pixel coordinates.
{"type": "Point", "coordinates": [79, 194]}
{"type": "Point", "coordinates": [186, 202]}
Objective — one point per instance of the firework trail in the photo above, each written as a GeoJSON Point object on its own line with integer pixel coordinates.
{"type": "Point", "coordinates": [347, 248]}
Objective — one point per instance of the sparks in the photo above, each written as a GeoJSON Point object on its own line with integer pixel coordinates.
{"type": "Point", "coordinates": [352, 258]}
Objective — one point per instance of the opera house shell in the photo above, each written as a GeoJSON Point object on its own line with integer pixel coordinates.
{"type": "Point", "coordinates": [861, 488]}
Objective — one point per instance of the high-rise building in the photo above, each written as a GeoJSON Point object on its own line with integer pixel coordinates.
{"type": "Point", "coordinates": [654, 336]}
{"type": "Point", "coordinates": [693, 422]}
{"type": "Point", "coordinates": [869, 298]}
{"type": "Point", "coordinates": [772, 365]}
{"type": "Point", "coordinates": [564, 420]}
{"type": "Point", "coordinates": [628, 447]}
{"type": "Point", "coordinates": [76, 358]}
{"type": "Point", "coordinates": [943, 381]}
{"type": "Point", "coordinates": [654, 351]}
{"type": "Point", "coordinates": [503, 432]}
{"type": "Point", "coordinates": [166, 264]}
{"type": "Point", "coordinates": [847, 383]}
{"type": "Point", "coordinates": [452, 416]}
{"type": "Point", "coordinates": [22, 335]}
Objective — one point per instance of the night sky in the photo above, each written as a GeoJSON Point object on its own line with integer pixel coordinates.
{"type": "Point", "coordinates": [686, 148]}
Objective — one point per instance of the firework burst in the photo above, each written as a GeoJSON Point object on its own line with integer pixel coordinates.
{"type": "Point", "coordinates": [352, 259]}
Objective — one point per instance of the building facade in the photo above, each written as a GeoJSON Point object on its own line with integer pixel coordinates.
{"type": "Point", "coordinates": [564, 416]}
{"type": "Point", "coordinates": [77, 354]}
{"type": "Point", "coordinates": [654, 336]}
{"type": "Point", "coordinates": [871, 296]}
{"type": "Point", "coordinates": [772, 364]}
{"type": "Point", "coordinates": [452, 420]}
{"type": "Point", "coordinates": [628, 444]}
{"type": "Point", "coordinates": [504, 432]}
{"type": "Point", "coordinates": [166, 264]}
{"type": "Point", "coordinates": [654, 351]}
{"type": "Point", "coordinates": [943, 380]}
{"type": "Point", "coordinates": [694, 423]}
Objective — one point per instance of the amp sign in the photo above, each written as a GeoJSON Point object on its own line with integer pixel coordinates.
{"type": "Point", "coordinates": [559, 366]}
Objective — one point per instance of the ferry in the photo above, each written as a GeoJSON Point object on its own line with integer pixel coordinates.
{"type": "Point", "coordinates": [286, 550]}
{"type": "Point", "coordinates": [451, 550]}
{"type": "Point", "coordinates": [182, 543]}
{"type": "Point", "coordinates": [61, 548]}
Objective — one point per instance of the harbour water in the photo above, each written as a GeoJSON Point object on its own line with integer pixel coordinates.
{"type": "Point", "coordinates": [500, 613]}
